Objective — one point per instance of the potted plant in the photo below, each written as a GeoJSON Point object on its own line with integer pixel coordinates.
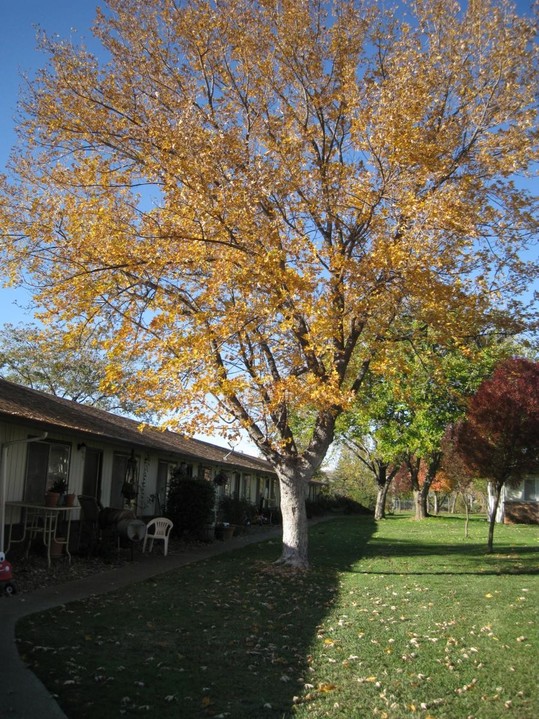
{"type": "Point", "coordinates": [59, 485]}
{"type": "Point", "coordinates": [55, 492]}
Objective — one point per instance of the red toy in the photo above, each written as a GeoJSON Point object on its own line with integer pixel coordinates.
{"type": "Point", "coordinates": [7, 585]}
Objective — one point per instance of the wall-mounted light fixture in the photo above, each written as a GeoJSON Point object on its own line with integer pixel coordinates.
{"type": "Point", "coordinates": [81, 446]}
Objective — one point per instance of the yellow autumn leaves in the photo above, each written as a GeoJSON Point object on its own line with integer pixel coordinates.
{"type": "Point", "coordinates": [247, 198]}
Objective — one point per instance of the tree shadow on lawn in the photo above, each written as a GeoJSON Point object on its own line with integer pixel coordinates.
{"type": "Point", "coordinates": [230, 636]}
{"type": "Point", "coordinates": [458, 558]}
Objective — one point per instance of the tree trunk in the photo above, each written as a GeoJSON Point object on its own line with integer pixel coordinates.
{"type": "Point", "coordinates": [294, 473]}
{"type": "Point", "coordinates": [424, 499]}
{"type": "Point", "coordinates": [467, 520]}
{"type": "Point", "coordinates": [493, 512]}
{"type": "Point", "coordinates": [383, 480]}
{"type": "Point", "coordinates": [380, 509]}
{"type": "Point", "coordinates": [293, 488]}
{"type": "Point", "coordinates": [414, 463]}
{"type": "Point", "coordinates": [492, 490]}
{"type": "Point", "coordinates": [420, 509]}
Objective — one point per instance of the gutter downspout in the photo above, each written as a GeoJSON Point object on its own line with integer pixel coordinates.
{"type": "Point", "coordinates": [5, 446]}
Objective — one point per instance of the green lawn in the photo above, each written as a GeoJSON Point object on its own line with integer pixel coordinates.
{"type": "Point", "coordinates": [395, 619]}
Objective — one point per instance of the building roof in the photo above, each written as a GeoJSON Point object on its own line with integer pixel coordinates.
{"type": "Point", "coordinates": [22, 405]}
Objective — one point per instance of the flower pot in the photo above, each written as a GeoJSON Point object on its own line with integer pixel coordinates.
{"type": "Point", "coordinates": [69, 500]}
{"type": "Point", "coordinates": [57, 548]}
{"type": "Point", "coordinates": [52, 499]}
{"type": "Point", "coordinates": [224, 533]}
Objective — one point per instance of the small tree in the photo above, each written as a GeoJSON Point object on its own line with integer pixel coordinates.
{"type": "Point", "coordinates": [352, 479]}
{"type": "Point", "coordinates": [381, 470]}
{"type": "Point", "coordinates": [499, 439]}
{"type": "Point", "coordinates": [456, 474]}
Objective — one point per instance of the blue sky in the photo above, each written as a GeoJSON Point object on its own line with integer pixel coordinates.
{"type": "Point", "coordinates": [18, 54]}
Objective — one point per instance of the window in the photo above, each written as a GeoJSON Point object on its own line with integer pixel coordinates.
{"type": "Point", "coordinates": [124, 469]}
{"type": "Point", "coordinates": [531, 490]}
{"type": "Point", "coordinates": [246, 487]}
{"type": "Point", "coordinates": [164, 471]}
{"type": "Point", "coordinates": [46, 462]}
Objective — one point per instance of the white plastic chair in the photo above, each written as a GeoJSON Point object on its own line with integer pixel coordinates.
{"type": "Point", "coordinates": [158, 528]}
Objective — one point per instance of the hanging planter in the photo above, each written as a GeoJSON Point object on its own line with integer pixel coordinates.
{"type": "Point", "coordinates": [129, 487]}
{"type": "Point", "coordinates": [129, 491]}
{"type": "Point", "coordinates": [220, 479]}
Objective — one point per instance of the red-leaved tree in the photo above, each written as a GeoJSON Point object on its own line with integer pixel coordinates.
{"type": "Point", "coordinates": [499, 439]}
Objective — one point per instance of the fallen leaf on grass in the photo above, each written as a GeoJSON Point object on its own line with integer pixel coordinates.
{"type": "Point", "coordinates": [466, 687]}
{"type": "Point", "coordinates": [326, 687]}
{"type": "Point", "coordinates": [362, 680]}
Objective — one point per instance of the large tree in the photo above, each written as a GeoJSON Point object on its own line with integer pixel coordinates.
{"type": "Point", "coordinates": [246, 194]}
{"type": "Point", "coordinates": [499, 439]}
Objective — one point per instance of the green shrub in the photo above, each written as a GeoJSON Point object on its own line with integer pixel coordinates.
{"type": "Point", "coordinates": [315, 508]}
{"type": "Point", "coordinates": [190, 505]}
{"type": "Point", "coordinates": [236, 511]}
{"type": "Point", "coordinates": [351, 506]}
{"type": "Point", "coordinates": [335, 503]}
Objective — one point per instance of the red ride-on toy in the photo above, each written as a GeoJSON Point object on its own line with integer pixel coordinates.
{"type": "Point", "coordinates": [7, 585]}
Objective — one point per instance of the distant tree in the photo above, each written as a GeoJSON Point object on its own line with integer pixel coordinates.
{"type": "Point", "coordinates": [499, 439]}
{"type": "Point", "coordinates": [382, 470]}
{"type": "Point", "coordinates": [403, 414]}
{"type": "Point", "coordinates": [440, 491]}
{"type": "Point", "coordinates": [455, 473]}
{"type": "Point", "coordinates": [352, 479]}
{"type": "Point", "coordinates": [46, 359]}
{"type": "Point", "coordinates": [369, 432]}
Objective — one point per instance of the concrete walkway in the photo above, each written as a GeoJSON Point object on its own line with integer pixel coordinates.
{"type": "Point", "coordinates": [23, 696]}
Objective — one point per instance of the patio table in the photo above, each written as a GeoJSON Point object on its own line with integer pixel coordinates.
{"type": "Point", "coordinates": [45, 521]}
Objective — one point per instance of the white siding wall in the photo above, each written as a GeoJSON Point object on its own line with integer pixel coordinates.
{"type": "Point", "coordinates": [15, 469]}
{"type": "Point", "coordinates": [250, 485]}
